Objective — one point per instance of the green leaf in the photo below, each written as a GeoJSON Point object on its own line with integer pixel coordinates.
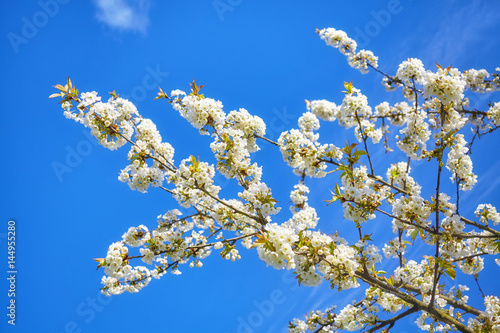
{"type": "Point", "coordinates": [448, 70]}
{"type": "Point", "coordinates": [332, 200]}
{"type": "Point", "coordinates": [337, 189]}
{"type": "Point", "coordinates": [101, 261]}
{"type": "Point", "coordinates": [60, 94]}
{"type": "Point", "coordinates": [451, 273]}
{"type": "Point", "coordinates": [161, 94]}
{"type": "Point", "coordinates": [414, 234]}
{"type": "Point", "coordinates": [348, 87]}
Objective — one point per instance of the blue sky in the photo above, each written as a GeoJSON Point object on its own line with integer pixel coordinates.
{"type": "Point", "coordinates": [260, 55]}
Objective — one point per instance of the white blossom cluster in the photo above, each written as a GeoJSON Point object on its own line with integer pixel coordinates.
{"type": "Point", "coordinates": [139, 175]}
{"type": "Point", "coordinates": [304, 216]}
{"type": "Point", "coordinates": [435, 107]}
{"type": "Point", "coordinates": [299, 196]}
{"type": "Point", "coordinates": [394, 248]}
{"type": "Point", "coordinates": [113, 124]}
{"type": "Point", "coordinates": [234, 139]}
{"type": "Point", "coordinates": [476, 80]}
{"type": "Point", "coordinates": [386, 301]}
{"type": "Point", "coordinates": [409, 211]}
{"type": "Point", "coordinates": [234, 134]}
{"type": "Point", "coordinates": [278, 251]}
{"type": "Point", "coordinates": [350, 318]}
{"type": "Point", "coordinates": [460, 164]}
{"type": "Point", "coordinates": [412, 273]}
{"type": "Point", "coordinates": [451, 246]}
{"type": "Point", "coordinates": [302, 154]}
{"type": "Point", "coordinates": [415, 135]}
{"type": "Point", "coordinates": [399, 174]}
{"type": "Point", "coordinates": [396, 114]}
{"type": "Point", "coordinates": [136, 236]}
{"type": "Point", "coordinates": [261, 198]}
{"type": "Point", "coordinates": [487, 212]}
{"type": "Point", "coordinates": [166, 246]}
{"type": "Point", "coordinates": [369, 252]}
{"type": "Point", "coordinates": [339, 267]}
{"type": "Point", "coordinates": [314, 320]}
{"type": "Point", "coordinates": [427, 323]}
{"type": "Point", "coordinates": [354, 111]}
{"type": "Point", "coordinates": [251, 126]}
{"type": "Point", "coordinates": [354, 107]}
{"type": "Point", "coordinates": [362, 59]}
{"type": "Point", "coordinates": [447, 85]}
{"type": "Point", "coordinates": [347, 46]}
{"type": "Point", "coordinates": [360, 198]}
{"type": "Point", "coordinates": [411, 71]}
{"type": "Point", "coordinates": [110, 123]}
{"type": "Point", "coordinates": [121, 276]}
{"type": "Point", "coordinates": [494, 113]}
{"type": "Point", "coordinates": [302, 151]}
{"type": "Point", "coordinates": [323, 109]}
{"type": "Point", "coordinates": [490, 317]}
{"type": "Point", "coordinates": [199, 111]}
{"type": "Point", "coordinates": [338, 39]}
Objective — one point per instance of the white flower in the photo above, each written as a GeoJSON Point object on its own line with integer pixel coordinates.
{"type": "Point", "coordinates": [323, 109]}
{"type": "Point", "coordinates": [338, 39]}
{"type": "Point", "coordinates": [362, 59]}
{"type": "Point", "coordinates": [494, 113]}
{"type": "Point", "coordinates": [447, 85]}
{"type": "Point", "coordinates": [136, 236]}
{"type": "Point", "coordinates": [88, 98]}
{"type": "Point", "coordinates": [260, 196]}
{"type": "Point", "coordinates": [411, 69]}
{"type": "Point", "coordinates": [200, 112]}
{"type": "Point", "coordinates": [302, 154]}
{"type": "Point", "coordinates": [475, 80]}
{"type": "Point", "coordinates": [281, 238]}
{"type": "Point", "coordinates": [308, 123]}
{"type": "Point", "coordinates": [460, 164]}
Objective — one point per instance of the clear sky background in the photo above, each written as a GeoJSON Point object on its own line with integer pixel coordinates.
{"type": "Point", "coordinates": [260, 55]}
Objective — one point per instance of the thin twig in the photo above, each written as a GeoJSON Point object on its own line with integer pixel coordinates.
{"type": "Point", "coordinates": [393, 320]}
{"type": "Point", "coordinates": [436, 255]}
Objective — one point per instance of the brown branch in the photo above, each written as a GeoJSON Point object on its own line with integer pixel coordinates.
{"type": "Point", "coordinates": [471, 256]}
{"type": "Point", "coordinates": [436, 255]}
{"type": "Point", "coordinates": [423, 227]}
{"type": "Point", "coordinates": [480, 226]}
{"type": "Point", "coordinates": [478, 286]}
{"type": "Point", "coordinates": [363, 136]}
{"type": "Point", "coordinates": [442, 316]}
{"type": "Point", "coordinates": [393, 320]}
{"type": "Point", "coordinates": [199, 246]}
{"type": "Point", "coordinates": [229, 206]}
{"type": "Point", "coordinates": [451, 301]}
{"type": "Point", "coordinates": [266, 139]}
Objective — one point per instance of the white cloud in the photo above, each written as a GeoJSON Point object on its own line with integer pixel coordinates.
{"type": "Point", "coordinates": [124, 14]}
